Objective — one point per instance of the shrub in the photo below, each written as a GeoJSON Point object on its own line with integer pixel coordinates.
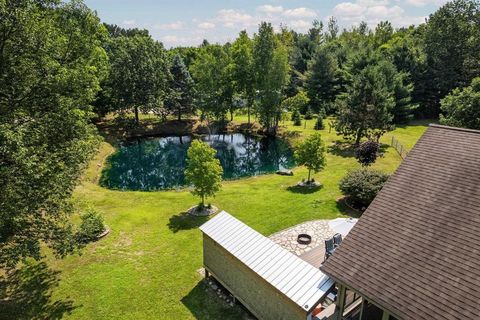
{"type": "Point", "coordinates": [319, 124]}
{"type": "Point", "coordinates": [296, 118]}
{"type": "Point", "coordinates": [362, 185]}
{"type": "Point", "coordinates": [308, 114]}
{"type": "Point", "coordinates": [91, 227]}
{"type": "Point", "coordinates": [367, 152]}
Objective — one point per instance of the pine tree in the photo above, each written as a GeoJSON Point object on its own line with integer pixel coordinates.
{"type": "Point", "coordinates": [181, 85]}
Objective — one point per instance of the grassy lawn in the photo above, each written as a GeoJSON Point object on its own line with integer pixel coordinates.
{"type": "Point", "coordinates": [147, 267]}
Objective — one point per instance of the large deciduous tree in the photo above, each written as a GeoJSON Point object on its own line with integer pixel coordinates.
{"type": "Point", "coordinates": [51, 62]}
{"type": "Point", "coordinates": [461, 108]}
{"type": "Point", "coordinates": [243, 73]}
{"type": "Point", "coordinates": [203, 171]}
{"type": "Point", "coordinates": [271, 75]}
{"type": "Point", "coordinates": [181, 89]}
{"type": "Point", "coordinates": [139, 73]}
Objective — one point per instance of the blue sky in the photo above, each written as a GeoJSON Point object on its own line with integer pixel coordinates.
{"type": "Point", "coordinates": [181, 23]}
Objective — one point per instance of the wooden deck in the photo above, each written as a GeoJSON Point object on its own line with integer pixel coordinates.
{"type": "Point", "coordinates": [314, 256]}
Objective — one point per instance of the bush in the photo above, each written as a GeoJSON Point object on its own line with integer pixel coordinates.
{"type": "Point", "coordinates": [362, 185]}
{"type": "Point", "coordinates": [308, 114]}
{"type": "Point", "coordinates": [91, 227]}
{"type": "Point", "coordinates": [367, 152]}
{"type": "Point", "coordinates": [319, 124]}
{"type": "Point", "coordinates": [296, 118]}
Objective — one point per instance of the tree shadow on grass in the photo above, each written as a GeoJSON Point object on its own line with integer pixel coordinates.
{"type": "Point", "coordinates": [347, 209]}
{"type": "Point", "coordinates": [185, 221]}
{"type": "Point", "coordinates": [26, 293]}
{"type": "Point", "coordinates": [204, 304]}
{"type": "Point", "coordinates": [342, 148]}
{"type": "Point", "coordinates": [304, 190]}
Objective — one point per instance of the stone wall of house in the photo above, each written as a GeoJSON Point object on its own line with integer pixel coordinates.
{"type": "Point", "coordinates": [260, 297]}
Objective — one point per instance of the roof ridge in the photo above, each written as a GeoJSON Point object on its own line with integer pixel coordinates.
{"type": "Point", "coordinates": [434, 125]}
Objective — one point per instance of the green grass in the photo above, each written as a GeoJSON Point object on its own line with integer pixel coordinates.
{"type": "Point", "coordinates": [147, 267]}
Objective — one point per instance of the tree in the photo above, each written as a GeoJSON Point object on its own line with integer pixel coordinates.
{"type": "Point", "coordinates": [298, 102]}
{"type": "Point", "coordinates": [271, 74]}
{"type": "Point", "coordinates": [366, 108]}
{"type": "Point", "coordinates": [311, 154]}
{"type": "Point", "coordinates": [296, 118]}
{"type": "Point", "coordinates": [461, 108]}
{"type": "Point", "coordinates": [322, 83]}
{"type": "Point", "coordinates": [452, 46]}
{"type": "Point", "coordinates": [139, 73]}
{"type": "Point", "coordinates": [367, 152]}
{"type": "Point", "coordinates": [51, 63]}
{"type": "Point", "coordinates": [181, 89]}
{"type": "Point", "coordinates": [203, 170]}
{"type": "Point", "coordinates": [212, 73]}
{"type": "Point", "coordinates": [243, 73]}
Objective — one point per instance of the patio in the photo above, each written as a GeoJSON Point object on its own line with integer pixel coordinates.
{"type": "Point", "coordinates": [319, 230]}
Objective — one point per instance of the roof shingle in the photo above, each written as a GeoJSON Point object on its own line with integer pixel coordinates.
{"type": "Point", "coordinates": [416, 249]}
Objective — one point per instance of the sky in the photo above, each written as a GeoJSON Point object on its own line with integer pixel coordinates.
{"type": "Point", "coordinates": [185, 23]}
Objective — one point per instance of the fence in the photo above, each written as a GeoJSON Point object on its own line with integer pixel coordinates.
{"type": "Point", "coordinates": [400, 149]}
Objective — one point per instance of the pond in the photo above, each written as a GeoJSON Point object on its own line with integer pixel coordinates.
{"type": "Point", "coordinates": [159, 163]}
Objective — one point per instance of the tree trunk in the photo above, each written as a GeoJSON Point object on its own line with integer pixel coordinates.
{"type": "Point", "coordinates": [231, 115]}
{"type": "Point", "coordinates": [137, 120]}
{"type": "Point", "coordinates": [359, 136]}
{"type": "Point", "coordinates": [179, 115]}
{"type": "Point", "coordinates": [308, 179]}
{"type": "Point", "coordinates": [203, 200]}
{"type": "Point", "coordinates": [248, 112]}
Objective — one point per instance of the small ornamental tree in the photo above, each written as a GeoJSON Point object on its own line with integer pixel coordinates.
{"type": "Point", "coordinates": [308, 113]}
{"type": "Point", "coordinates": [319, 124]}
{"type": "Point", "coordinates": [296, 118]}
{"type": "Point", "coordinates": [311, 154]}
{"type": "Point", "coordinates": [367, 152]}
{"type": "Point", "coordinates": [203, 171]}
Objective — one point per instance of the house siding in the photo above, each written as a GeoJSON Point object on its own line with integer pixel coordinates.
{"type": "Point", "coordinates": [261, 298]}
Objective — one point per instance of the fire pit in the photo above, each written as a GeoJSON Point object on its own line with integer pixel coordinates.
{"type": "Point", "coordinates": [304, 238]}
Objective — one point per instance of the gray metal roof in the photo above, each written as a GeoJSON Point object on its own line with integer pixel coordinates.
{"type": "Point", "coordinates": [302, 283]}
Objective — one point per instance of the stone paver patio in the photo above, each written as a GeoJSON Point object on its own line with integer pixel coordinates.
{"type": "Point", "coordinates": [317, 229]}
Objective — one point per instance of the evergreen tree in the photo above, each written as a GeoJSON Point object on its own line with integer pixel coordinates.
{"type": "Point", "coordinates": [181, 89]}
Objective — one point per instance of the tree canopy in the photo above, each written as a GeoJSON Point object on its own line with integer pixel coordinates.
{"type": "Point", "coordinates": [461, 108]}
{"type": "Point", "coordinates": [311, 153]}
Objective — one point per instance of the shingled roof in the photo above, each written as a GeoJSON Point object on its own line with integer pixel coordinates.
{"type": "Point", "coordinates": [416, 249]}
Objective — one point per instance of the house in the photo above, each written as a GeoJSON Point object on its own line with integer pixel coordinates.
{"type": "Point", "coordinates": [415, 252]}
{"type": "Point", "coordinates": [270, 281]}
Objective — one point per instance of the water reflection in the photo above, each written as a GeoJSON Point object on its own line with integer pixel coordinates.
{"type": "Point", "coordinates": [150, 164]}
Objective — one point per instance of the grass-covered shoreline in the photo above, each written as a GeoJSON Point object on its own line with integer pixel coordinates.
{"type": "Point", "coordinates": [147, 267]}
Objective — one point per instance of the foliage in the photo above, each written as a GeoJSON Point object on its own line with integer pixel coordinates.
{"type": "Point", "coordinates": [366, 153]}
{"type": "Point", "coordinates": [298, 102]}
{"type": "Point", "coordinates": [461, 107]}
{"type": "Point", "coordinates": [181, 89]}
{"type": "Point", "coordinates": [243, 72]}
{"type": "Point", "coordinates": [271, 74]}
{"type": "Point", "coordinates": [139, 74]}
{"type": "Point", "coordinates": [319, 123]}
{"type": "Point", "coordinates": [362, 185]}
{"type": "Point", "coordinates": [203, 171]}
{"type": "Point", "coordinates": [452, 46]}
{"type": "Point", "coordinates": [91, 227]}
{"type": "Point", "coordinates": [374, 92]}
{"type": "Point", "coordinates": [51, 64]}
{"type": "Point", "coordinates": [308, 113]}
{"type": "Point", "coordinates": [212, 73]}
{"type": "Point", "coordinates": [322, 79]}
{"type": "Point", "coordinates": [296, 118]}
{"type": "Point", "coordinates": [311, 153]}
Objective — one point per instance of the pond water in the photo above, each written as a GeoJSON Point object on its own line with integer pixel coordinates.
{"type": "Point", "coordinates": [159, 163]}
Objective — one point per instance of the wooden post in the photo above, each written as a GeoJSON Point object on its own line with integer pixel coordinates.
{"type": "Point", "coordinates": [340, 303]}
{"type": "Point", "coordinates": [386, 315]}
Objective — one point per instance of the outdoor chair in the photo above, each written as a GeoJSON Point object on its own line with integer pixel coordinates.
{"type": "Point", "coordinates": [337, 239]}
{"type": "Point", "coordinates": [329, 248]}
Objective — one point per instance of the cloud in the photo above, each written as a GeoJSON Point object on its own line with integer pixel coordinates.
{"type": "Point", "coordinates": [422, 3]}
{"type": "Point", "coordinates": [206, 25]}
{"type": "Point", "coordinates": [300, 13]}
{"type": "Point", "coordinates": [128, 23]}
{"type": "Point", "coordinates": [300, 25]}
{"type": "Point", "coordinates": [374, 11]}
{"type": "Point", "coordinates": [178, 25]}
{"type": "Point", "coordinates": [231, 17]}
{"type": "Point", "coordinates": [269, 9]}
